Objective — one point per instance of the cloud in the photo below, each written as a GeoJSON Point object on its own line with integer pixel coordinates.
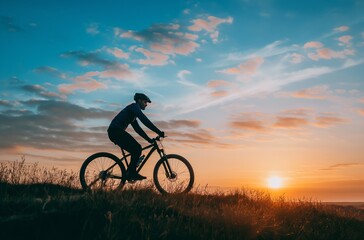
{"type": "Point", "coordinates": [296, 58]}
{"type": "Point", "coordinates": [152, 58]}
{"type": "Point", "coordinates": [217, 83]}
{"type": "Point", "coordinates": [219, 93]}
{"type": "Point", "coordinates": [93, 29]}
{"type": "Point", "coordinates": [8, 24]}
{"type": "Point", "coordinates": [117, 52]}
{"type": "Point", "coordinates": [252, 125]}
{"type": "Point", "coordinates": [52, 126]}
{"type": "Point", "coordinates": [164, 38]}
{"type": "Point", "coordinates": [245, 69]}
{"type": "Point", "coordinates": [341, 29]}
{"type": "Point", "coordinates": [328, 121]}
{"type": "Point", "coordinates": [172, 124]}
{"type": "Point", "coordinates": [182, 74]}
{"type": "Point", "coordinates": [41, 91]}
{"type": "Point", "coordinates": [326, 53]}
{"type": "Point", "coordinates": [345, 40]}
{"type": "Point", "coordinates": [90, 81]}
{"type": "Point", "coordinates": [313, 45]}
{"type": "Point", "coordinates": [117, 71]}
{"type": "Point", "coordinates": [51, 71]}
{"type": "Point", "coordinates": [317, 92]}
{"type": "Point", "coordinates": [290, 122]}
{"type": "Point", "coordinates": [87, 58]}
{"type": "Point", "coordinates": [340, 166]}
{"type": "Point", "coordinates": [170, 47]}
{"type": "Point", "coordinates": [6, 103]}
{"type": "Point", "coordinates": [84, 85]}
{"type": "Point", "coordinates": [271, 50]}
{"type": "Point", "coordinates": [361, 111]}
{"type": "Point", "coordinates": [210, 25]}
{"type": "Point", "coordinates": [303, 112]}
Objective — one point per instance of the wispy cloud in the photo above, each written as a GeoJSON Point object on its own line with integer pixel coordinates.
{"type": "Point", "coordinates": [164, 38]}
{"type": "Point", "coordinates": [328, 121]}
{"type": "Point", "coordinates": [51, 71]}
{"type": "Point", "coordinates": [52, 126]}
{"type": "Point", "coordinates": [271, 50]}
{"type": "Point", "coordinates": [340, 166]}
{"type": "Point", "coordinates": [210, 25]}
{"type": "Point", "coordinates": [42, 91]}
{"type": "Point", "coordinates": [246, 69]}
{"type": "Point", "coordinates": [317, 92]}
{"type": "Point", "coordinates": [119, 53]}
{"type": "Point", "coordinates": [152, 58]}
{"type": "Point", "coordinates": [341, 29]}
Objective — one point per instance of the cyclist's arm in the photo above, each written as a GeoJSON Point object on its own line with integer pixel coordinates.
{"type": "Point", "coordinates": [138, 113]}
{"type": "Point", "coordinates": [140, 131]}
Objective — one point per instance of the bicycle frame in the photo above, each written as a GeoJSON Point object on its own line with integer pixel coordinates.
{"type": "Point", "coordinates": [154, 146]}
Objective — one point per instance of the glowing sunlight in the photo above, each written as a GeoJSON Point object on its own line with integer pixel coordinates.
{"type": "Point", "coordinates": [274, 182]}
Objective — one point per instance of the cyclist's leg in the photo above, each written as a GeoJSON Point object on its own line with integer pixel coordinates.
{"type": "Point", "coordinates": [125, 141]}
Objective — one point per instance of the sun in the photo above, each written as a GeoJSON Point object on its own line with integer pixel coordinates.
{"type": "Point", "coordinates": [274, 182]}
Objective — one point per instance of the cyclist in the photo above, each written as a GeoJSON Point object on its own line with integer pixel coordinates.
{"type": "Point", "coordinates": [118, 135]}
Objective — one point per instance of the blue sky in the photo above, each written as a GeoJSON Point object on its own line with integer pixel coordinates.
{"type": "Point", "coordinates": [233, 81]}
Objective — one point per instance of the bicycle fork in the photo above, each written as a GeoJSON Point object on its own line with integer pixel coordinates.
{"type": "Point", "coordinates": [167, 167]}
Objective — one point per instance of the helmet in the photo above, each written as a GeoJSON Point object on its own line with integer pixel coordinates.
{"type": "Point", "coordinates": [141, 96]}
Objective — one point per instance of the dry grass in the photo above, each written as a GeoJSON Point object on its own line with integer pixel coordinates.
{"type": "Point", "coordinates": [48, 204]}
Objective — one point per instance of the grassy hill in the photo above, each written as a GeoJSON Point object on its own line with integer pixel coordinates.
{"type": "Point", "coordinates": [55, 208]}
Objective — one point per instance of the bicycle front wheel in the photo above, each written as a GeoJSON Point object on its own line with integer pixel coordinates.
{"type": "Point", "coordinates": [102, 171]}
{"type": "Point", "coordinates": [173, 174]}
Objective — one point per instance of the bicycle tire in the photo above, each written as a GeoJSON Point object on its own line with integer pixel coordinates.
{"type": "Point", "coordinates": [181, 183]}
{"type": "Point", "coordinates": [93, 168]}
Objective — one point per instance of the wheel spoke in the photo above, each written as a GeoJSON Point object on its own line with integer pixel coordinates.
{"type": "Point", "coordinates": [102, 171]}
{"type": "Point", "coordinates": [176, 178]}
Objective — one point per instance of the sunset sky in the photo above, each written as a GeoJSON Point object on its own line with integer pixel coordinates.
{"type": "Point", "coordinates": [246, 90]}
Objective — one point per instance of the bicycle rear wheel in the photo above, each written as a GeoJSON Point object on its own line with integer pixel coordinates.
{"type": "Point", "coordinates": [173, 174]}
{"type": "Point", "coordinates": [102, 171]}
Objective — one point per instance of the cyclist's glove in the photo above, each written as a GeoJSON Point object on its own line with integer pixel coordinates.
{"type": "Point", "coordinates": [161, 134]}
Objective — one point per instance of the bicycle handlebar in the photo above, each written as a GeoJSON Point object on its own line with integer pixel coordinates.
{"type": "Point", "coordinates": [158, 138]}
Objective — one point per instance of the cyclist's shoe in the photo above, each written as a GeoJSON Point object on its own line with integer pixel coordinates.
{"type": "Point", "coordinates": [134, 176]}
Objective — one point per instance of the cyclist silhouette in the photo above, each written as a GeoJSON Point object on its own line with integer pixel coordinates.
{"type": "Point", "coordinates": [118, 135]}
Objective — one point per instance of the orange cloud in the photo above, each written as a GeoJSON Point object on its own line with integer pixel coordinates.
{"type": "Point", "coordinates": [117, 52]}
{"type": "Point", "coordinates": [318, 92]}
{"type": "Point", "coordinates": [340, 165]}
{"type": "Point", "coordinates": [153, 58]}
{"type": "Point", "coordinates": [327, 121]}
{"type": "Point", "coordinates": [345, 39]}
{"type": "Point", "coordinates": [220, 93]}
{"type": "Point", "coordinates": [361, 111]}
{"type": "Point", "coordinates": [298, 112]}
{"type": "Point", "coordinates": [290, 122]}
{"type": "Point", "coordinates": [217, 83]}
{"type": "Point", "coordinates": [247, 68]}
{"type": "Point", "coordinates": [86, 86]}
{"type": "Point", "coordinates": [164, 38]}
{"type": "Point", "coordinates": [313, 45]}
{"type": "Point", "coordinates": [341, 29]}
{"type": "Point", "coordinates": [252, 125]}
{"type": "Point", "coordinates": [172, 47]}
{"type": "Point", "coordinates": [209, 25]}
{"type": "Point", "coordinates": [326, 53]}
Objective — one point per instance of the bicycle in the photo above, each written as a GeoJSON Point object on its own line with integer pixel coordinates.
{"type": "Point", "coordinates": [105, 171]}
